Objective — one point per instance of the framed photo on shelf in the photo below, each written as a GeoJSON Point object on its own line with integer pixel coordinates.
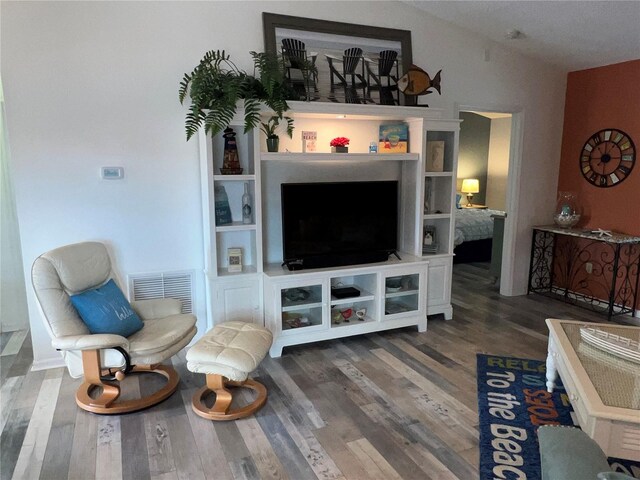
{"type": "Point", "coordinates": [309, 140]}
{"type": "Point", "coordinates": [435, 156]}
{"type": "Point", "coordinates": [429, 240]}
{"type": "Point", "coordinates": [393, 138]}
{"type": "Point", "coordinates": [234, 257]}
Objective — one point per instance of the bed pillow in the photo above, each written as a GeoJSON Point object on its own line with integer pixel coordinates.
{"type": "Point", "coordinates": [106, 310]}
{"type": "Point", "coordinates": [458, 198]}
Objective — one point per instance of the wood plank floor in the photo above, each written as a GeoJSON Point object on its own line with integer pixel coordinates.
{"type": "Point", "coordinates": [394, 405]}
{"type": "Point", "coordinates": [16, 355]}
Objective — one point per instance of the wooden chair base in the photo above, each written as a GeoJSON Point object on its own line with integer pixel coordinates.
{"type": "Point", "coordinates": [106, 403]}
{"type": "Point", "coordinates": [221, 409]}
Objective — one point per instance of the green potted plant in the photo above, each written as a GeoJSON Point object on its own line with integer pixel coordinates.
{"type": "Point", "coordinates": [269, 128]}
{"type": "Point", "coordinates": [216, 85]}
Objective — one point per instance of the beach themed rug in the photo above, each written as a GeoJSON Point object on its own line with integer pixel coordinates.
{"type": "Point", "coordinates": [513, 400]}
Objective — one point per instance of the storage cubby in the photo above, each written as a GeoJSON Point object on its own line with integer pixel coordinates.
{"type": "Point", "coordinates": [437, 194]}
{"type": "Point", "coordinates": [365, 302]}
{"type": "Point", "coordinates": [365, 284]}
{"type": "Point", "coordinates": [360, 132]}
{"type": "Point", "coordinates": [245, 144]}
{"type": "Point", "coordinates": [442, 228]}
{"type": "Point", "coordinates": [368, 309]}
{"type": "Point", "coordinates": [235, 190]}
{"type": "Point", "coordinates": [297, 298]}
{"type": "Point", "coordinates": [244, 239]}
{"type": "Point", "coordinates": [450, 149]}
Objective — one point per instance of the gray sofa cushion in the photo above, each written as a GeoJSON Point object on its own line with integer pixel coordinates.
{"type": "Point", "coordinates": [614, 476]}
{"type": "Point", "coordinates": [567, 453]}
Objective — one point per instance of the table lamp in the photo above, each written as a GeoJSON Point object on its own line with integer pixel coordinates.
{"type": "Point", "coordinates": [470, 186]}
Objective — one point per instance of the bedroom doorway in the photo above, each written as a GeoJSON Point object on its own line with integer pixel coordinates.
{"type": "Point", "coordinates": [489, 159]}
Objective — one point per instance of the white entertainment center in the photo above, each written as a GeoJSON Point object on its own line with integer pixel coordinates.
{"type": "Point", "coordinates": [264, 291]}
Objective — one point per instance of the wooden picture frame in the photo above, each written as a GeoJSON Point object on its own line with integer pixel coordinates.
{"type": "Point", "coordinates": [325, 45]}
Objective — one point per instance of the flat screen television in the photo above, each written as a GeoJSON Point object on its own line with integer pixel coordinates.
{"type": "Point", "coordinates": [338, 223]}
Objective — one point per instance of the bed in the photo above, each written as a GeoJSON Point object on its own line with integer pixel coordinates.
{"type": "Point", "coordinates": [473, 234]}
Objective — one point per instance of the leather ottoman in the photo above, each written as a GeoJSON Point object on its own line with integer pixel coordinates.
{"type": "Point", "coordinates": [227, 354]}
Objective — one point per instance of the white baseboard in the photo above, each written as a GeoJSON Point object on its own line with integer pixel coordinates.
{"type": "Point", "coordinates": [48, 363]}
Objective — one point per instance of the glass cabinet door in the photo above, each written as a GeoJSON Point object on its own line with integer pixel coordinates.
{"type": "Point", "coordinates": [401, 294]}
{"type": "Point", "coordinates": [302, 308]}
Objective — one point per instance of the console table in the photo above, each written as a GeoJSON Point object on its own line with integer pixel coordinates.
{"type": "Point", "coordinates": [588, 269]}
{"type": "Point", "coordinates": [602, 387]}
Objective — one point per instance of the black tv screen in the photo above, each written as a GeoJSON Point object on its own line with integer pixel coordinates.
{"type": "Point", "coordinates": [338, 223]}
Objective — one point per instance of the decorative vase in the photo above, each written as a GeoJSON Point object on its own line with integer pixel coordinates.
{"type": "Point", "coordinates": [339, 149]}
{"type": "Point", "coordinates": [567, 212]}
{"type": "Point", "coordinates": [272, 144]}
{"type": "Point", "coordinates": [246, 205]}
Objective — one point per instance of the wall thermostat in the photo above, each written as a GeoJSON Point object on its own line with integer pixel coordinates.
{"type": "Point", "coordinates": [112, 173]}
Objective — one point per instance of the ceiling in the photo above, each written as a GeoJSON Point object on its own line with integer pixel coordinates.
{"type": "Point", "coordinates": [573, 35]}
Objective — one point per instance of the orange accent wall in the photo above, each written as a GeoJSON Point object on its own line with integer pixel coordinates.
{"type": "Point", "coordinates": [599, 98]}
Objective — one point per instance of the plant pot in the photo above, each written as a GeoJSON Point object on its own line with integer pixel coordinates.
{"type": "Point", "coordinates": [339, 149]}
{"type": "Point", "coordinates": [272, 144]}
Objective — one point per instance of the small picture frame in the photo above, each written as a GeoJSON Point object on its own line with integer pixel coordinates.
{"type": "Point", "coordinates": [393, 138]}
{"type": "Point", "coordinates": [234, 259]}
{"type": "Point", "coordinates": [309, 141]}
{"type": "Point", "coordinates": [429, 240]}
{"type": "Point", "coordinates": [435, 156]}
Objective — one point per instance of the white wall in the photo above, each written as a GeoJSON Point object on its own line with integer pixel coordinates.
{"type": "Point", "coordinates": [89, 84]}
{"type": "Point", "coordinates": [498, 164]}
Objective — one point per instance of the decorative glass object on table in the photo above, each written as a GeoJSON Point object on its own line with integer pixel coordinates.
{"type": "Point", "coordinates": [567, 212]}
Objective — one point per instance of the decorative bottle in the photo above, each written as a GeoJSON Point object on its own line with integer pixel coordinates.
{"type": "Point", "coordinates": [246, 205]}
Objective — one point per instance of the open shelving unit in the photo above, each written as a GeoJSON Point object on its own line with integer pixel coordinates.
{"type": "Point", "coordinates": [427, 198]}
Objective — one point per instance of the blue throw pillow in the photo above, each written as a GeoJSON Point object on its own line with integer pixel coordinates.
{"type": "Point", "coordinates": [106, 310]}
{"type": "Point", "coordinates": [458, 197]}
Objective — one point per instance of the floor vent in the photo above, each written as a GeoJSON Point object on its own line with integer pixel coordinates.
{"type": "Point", "coordinates": [178, 285]}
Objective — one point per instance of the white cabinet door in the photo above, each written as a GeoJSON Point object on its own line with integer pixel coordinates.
{"type": "Point", "coordinates": [237, 299]}
{"type": "Point", "coordinates": [439, 287]}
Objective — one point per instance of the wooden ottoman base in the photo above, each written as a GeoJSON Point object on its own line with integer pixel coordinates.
{"type": "Point", "coordinates": [221, 408]}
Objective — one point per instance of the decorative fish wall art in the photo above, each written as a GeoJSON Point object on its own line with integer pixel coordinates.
{"type": "Point", "coordinates": [418, 82]}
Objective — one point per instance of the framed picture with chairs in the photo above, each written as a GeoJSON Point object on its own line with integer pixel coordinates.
{"type": "Point", "coordinates": [340, 62]}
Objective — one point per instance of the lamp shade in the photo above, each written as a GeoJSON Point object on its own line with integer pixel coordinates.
{"type": "Point", "coordinates": [470, 185]}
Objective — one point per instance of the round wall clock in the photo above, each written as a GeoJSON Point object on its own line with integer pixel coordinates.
{"type": "Point", "coordinates": [607, 158]}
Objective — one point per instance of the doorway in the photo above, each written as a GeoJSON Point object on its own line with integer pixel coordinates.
{"type": "Point", "coordinates": [489, 156]}
{"type": "Point", "coordinates": [15, 343]}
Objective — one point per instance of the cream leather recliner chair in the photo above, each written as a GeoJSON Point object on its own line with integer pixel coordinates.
{"type": "Point", "coordinates": [105, 359]}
